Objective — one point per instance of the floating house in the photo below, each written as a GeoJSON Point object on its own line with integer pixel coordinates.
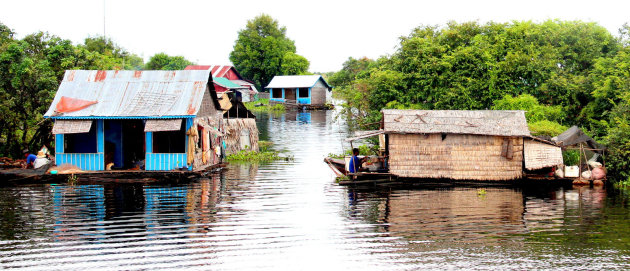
{"type": "Point", "coordinates": [226, 78]}
{"type": "Point", "coordinates": [144, 120]}
{"type": "Point", "coordinates": [455, 144]}
{"type": "Point", "coordinates": [299, 90]}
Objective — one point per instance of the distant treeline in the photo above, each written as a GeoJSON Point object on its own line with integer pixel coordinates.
{"type": "Point", "coordinates": [562, 72]}
{"type": "Point", "coordinates": [31, 69]}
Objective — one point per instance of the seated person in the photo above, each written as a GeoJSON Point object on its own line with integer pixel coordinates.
{"type": "Point", "coordinates": [30, 159]}
{"type": "Point", "coordinates": [355, 162]}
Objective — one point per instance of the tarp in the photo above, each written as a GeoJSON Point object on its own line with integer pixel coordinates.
{"type": "Point", "coordinates": [71, 126]}
{"type": "Point", "coordinates": [574, 136]}
{"type": "Point", "coordinates": [67, 104]}
{"type": "Point", "coordinates": [163, 125]}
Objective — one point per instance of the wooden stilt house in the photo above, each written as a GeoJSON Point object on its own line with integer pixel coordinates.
{"type": "Point", "coordinates": [455, 144]}
{"type": "Point", "coordinates": [144, 120]}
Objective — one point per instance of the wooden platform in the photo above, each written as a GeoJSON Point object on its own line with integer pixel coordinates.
{"type": "Point", "coordinates": [24, 176]}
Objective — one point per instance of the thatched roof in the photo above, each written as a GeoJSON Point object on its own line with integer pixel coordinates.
{"type": "Point", "coordinates": [473, 122]}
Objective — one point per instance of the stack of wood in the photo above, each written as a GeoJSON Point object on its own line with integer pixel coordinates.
{"type": "Point", "coordinates": [6, 162]}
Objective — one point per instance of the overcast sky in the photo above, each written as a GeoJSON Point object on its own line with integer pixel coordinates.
{"type": "Point", "coordinates": [325, 32]}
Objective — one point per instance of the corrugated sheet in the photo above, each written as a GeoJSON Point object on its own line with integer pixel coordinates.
{"type": "Point", "coordinates": [216, 70]}
{"type": "Point", "coordinates": [474, 122]}
{"type": "Point", "coordinates": [295, 81]}
{"type": "Point", "coordinates": [244, 83]}
{"type": "Point", "coordinates": [226, 83]}
{"type": "Point", "coordinates": [133, 93]}
{"type": "Point", "coordinates": [71, 126]}
{"type": "Point", "coordinates": [163, 125]}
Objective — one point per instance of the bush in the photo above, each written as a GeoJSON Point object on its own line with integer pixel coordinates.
{"type": "Point", "coordinates": [546, 128]}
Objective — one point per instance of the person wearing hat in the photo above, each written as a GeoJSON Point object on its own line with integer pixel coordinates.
{"type": "Point", "coordinates": [41, 160]}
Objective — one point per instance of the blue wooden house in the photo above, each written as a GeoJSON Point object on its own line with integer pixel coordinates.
{"type": "Point", "coordinates": [299, 89]}
{"type": "Point", "coordinates": [144, 120]}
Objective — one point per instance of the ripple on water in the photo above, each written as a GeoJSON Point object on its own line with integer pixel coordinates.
{"type": "Point", "coordinates": [291, 215]}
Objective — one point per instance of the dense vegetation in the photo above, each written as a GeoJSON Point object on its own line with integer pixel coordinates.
{"type": "Point", "coordinates": [263, 51]}
{"type": "Point", "coordinates": [563, 73]}
{"type": "Point", "coordinates": [31, 69]}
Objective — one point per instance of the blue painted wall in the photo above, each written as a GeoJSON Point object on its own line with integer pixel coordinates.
{"type": "Point", "coordinates": [84, 161]}
{"type": "Point", "coordinates": [166, 161]}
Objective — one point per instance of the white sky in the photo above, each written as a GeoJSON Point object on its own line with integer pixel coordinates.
{"type": "Point", "coordinates": [325, 32]}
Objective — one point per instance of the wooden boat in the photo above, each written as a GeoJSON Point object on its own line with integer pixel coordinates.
{"type": "Point", "coordinates": [338, 166]}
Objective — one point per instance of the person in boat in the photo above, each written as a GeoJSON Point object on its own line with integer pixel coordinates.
{"type": "Point", "coordinates": [30, 159]}
{"type": "Point", "coordinates": [355, 161]}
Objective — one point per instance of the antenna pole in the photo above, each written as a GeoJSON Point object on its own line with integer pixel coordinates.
{"type": "Point", "coordinates": [104, 35]}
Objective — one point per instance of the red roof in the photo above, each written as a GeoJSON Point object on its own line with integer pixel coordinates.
{"type": "Point", "coordinates": [217, 70]}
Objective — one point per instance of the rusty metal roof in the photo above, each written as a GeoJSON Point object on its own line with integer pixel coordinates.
{"type": "Point", "coordinates": [132, 94]}
{"type": "Point", "coordinates": [475, 122]}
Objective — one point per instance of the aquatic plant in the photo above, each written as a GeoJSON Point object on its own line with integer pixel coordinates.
{"type": "Point", "coordinates": [262, 105]}
{"type": "Point", "coordinates": [265, 154]}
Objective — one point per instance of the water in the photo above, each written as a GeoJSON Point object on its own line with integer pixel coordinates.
{"type": "Point", "coordinates": [290, 215]}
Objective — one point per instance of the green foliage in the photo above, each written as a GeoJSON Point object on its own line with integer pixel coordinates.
{"type": "Point", "coordinates": [31, 69]}
{"type": "Point", "coordinates": [618, 140]}
{"type": "Point", "coordinates": [162, 61]}
{"type": "Point", "coordinates": [294, 64]}
{"type": "Point", "coordinates": [571, 157]}
{"type": "Point", "coordinates": [546, 128]}
{"type": "Point", "coordinates": [262, 105]}
{"type": "Point", "coordinates": [265, 154]}
{"type": "Point", "coordinates": [262, 50]}
{"type": "Point", "coordinates": [535, 111]}
{"type": "Point", "coordinates": [469, 66]}
{"type": "Point", "coordinates": [363, 150]}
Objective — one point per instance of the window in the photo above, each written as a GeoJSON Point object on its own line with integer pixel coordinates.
{"type": "Point", "coordinates": [303, 93]}
{"type": "Point", "coordinates": [170, 141]}
{"type": "Point", "coordinates": [81, 142]}
{"type": "Point", "coordinates": [277, 93]}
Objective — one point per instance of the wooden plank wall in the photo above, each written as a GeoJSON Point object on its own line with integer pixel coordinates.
{"type": "Point", "coordinates": [461, 157]}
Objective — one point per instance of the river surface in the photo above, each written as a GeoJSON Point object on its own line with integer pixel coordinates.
{"type": "Point", "coordinates": [290, 215]}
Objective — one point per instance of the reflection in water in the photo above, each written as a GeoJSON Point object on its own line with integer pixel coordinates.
{"type": "Point", "coordinates": [291, 215]}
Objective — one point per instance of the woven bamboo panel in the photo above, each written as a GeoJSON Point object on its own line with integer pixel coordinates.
{"type": "Point", "coordinates": [71, 126]}
{"type": "Point", "coordinates": [541, 155]}
{"type": "Point", "coordinates": [163, 125]}
{"type": "Point", "coordinates": [462, 157]}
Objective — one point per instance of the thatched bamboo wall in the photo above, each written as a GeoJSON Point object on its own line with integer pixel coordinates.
{"type": "Point", "coordinates": [541, 155]}
{"type": "Point", "coordinates": [461, 157]}
{"type": "Point", "coordinates": [233, 130]}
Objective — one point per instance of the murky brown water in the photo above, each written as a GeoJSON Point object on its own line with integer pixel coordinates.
{"type": "Point", "coordinates": [290, 215]}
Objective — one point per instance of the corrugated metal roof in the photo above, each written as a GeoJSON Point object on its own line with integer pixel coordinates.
{"type": "Point", "coordinates": [216, 70]}
{"type": "Point", "coordinates": [226, 83]}
{"type": "Point", "coordinates": [246, 84]}
{"type": "Point", "coordinates": [476, 122]}
{"type": "Point", "coordinates": [295, 81]}
{"type": "Point", "coordinates": [133, 93]}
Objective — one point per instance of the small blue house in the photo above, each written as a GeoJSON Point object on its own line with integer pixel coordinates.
{"type": "Point", "coordinates": [299, 89]}
{"type": "Point", "coordinates": [143, 120]}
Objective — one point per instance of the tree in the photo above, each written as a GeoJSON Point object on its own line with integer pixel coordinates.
{"type": "Point", "coordinates": [261, 50]}
{"type": "Point", "coordinates": [30, 72]}
{"type": "Point", "coordinates": [293, 63]}
{"type": "Point", "coordinates": [162, 61]}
